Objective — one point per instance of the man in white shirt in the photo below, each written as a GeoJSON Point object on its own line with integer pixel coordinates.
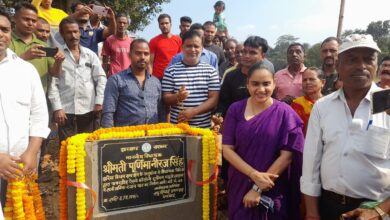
{"type": "Point", "coordinates": [23, 110]}
{"type": "Point", "coordinates": [346, 159]}
{"type": "Point", "coordinates": [76, 95]}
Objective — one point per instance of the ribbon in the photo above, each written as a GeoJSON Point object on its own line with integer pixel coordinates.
{"type": "Point", "coordinates": [200, 183]}
{"type": "Point", "coordinates": [83, 186]}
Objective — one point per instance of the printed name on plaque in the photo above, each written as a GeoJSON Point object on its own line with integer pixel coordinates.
{"type": "Point", "coordinates": [141, 172]}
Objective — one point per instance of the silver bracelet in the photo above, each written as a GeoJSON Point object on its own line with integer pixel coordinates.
{"type": "Point", "coordinates": [256, 188]}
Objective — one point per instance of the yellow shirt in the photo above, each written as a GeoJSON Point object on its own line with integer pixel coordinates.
{"type": "Point", "coordinates": [52, 15]}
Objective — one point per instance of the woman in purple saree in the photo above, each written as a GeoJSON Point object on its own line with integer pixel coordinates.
{"type": "Point", "coordinates": [263, 141]}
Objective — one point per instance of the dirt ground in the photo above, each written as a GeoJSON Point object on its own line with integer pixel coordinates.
{"type": "Point", "coordinates": [49, 182]}
{"type": "Point", "coordinates": [48, 179]}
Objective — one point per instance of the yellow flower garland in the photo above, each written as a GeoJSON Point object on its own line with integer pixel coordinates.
{"type": "Point", "coordinates": [76, 153]}
{"type": "Point", "coordinates": [23, 199]}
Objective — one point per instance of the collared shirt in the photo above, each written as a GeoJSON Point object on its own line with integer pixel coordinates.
{"type": "Point", "coordinates": [338, 147]}
{"type": "Point", "coordinates": [23, 108]}
{"type": "Point", "coordinates": [205, 57]}
{"type": "Point", "coordinates": [287, 84]}
{"type": "Point", "coordinates": [127, 103]}
{"type": "Point", "coordinates": [218, 51]}
{"type": "Point", "coordinates": [90, 37]}
{"type": "Point", "coordinates": [80, 86]}
{"type": "Point", "coordinates": [41, 64]}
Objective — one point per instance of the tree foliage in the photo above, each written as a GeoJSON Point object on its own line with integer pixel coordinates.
{"type": "Point", "coordinates": [140, 11]}
{"type": "Point", "coordinates": [380, 31]}
{"type": "Point", "coordinates": [278, 54]}
{"type": "Point", "coordinates": [312, 56]}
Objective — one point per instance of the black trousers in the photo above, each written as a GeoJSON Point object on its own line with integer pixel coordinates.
{"type": "Point", "coordinates": [79, 124]}
{"type": "Point", "coordinates": [333, 205]}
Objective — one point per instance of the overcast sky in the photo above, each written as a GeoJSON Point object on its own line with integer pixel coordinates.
{"type": "Point", "coordinates": [310, 20]}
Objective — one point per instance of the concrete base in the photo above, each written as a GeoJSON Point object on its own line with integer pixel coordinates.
{"type": "Point", "coordinates": [188, 209]}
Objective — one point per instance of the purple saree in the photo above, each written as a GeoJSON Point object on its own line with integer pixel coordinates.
{"type": "Point", "coordinates": [258, 141]}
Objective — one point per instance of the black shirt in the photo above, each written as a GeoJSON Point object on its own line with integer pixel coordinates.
{"type": "Point", "coordinates": [233, 89]}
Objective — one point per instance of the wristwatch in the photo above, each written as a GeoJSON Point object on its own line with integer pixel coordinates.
{"type": "Point", "coordinates": [256, 188]}
{"type": "Point", "coordinates": [381, 213]}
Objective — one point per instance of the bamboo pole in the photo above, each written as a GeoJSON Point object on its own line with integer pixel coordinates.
{"type": "Point", "coordinates": [341, 17]}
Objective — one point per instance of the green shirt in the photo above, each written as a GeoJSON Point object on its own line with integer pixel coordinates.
{"type": "Point", "coordinates": [41, 64]}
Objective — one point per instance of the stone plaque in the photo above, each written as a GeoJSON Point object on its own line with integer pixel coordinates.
{"type": "Point", "coordinates": [141, 172]}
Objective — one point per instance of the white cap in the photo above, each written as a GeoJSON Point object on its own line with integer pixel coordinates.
{"type": "Point", "coordinates": [358, 40]}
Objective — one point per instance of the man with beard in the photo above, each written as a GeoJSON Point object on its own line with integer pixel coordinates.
{"type": "Point", "coordinates": [163, 47]}
{"type": "Point", "coordinates": [346, 162]}
{"type": "Point", "coordinates": [384, 73]}
{"type": "Point", "coordinates": [116, 48]}
{"type": "Point", "coordinates": [27, 46]}
{"type": "Point", "coordinates": [76, 95]}
{"type": "Point", "coordinates": [42, 30]}
{"type": "Point", "coordinates": [289, 80]}
{"type": "Point", "coordinates": [230, 52]}
{"type": "Point", "coordinates": [209, 34]}
{"type": "Point", "coordinates": [328, 55]}
{"type": "Point", "coordinates": [133, 95]}
{"type": "Point", "coordinates": [185, 25]}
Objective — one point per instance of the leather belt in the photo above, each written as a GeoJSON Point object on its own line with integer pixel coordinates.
{"type": "Point", "coordinates": [342, 199]}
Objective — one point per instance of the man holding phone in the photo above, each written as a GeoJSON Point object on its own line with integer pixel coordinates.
{"type": "Point", "coordinates": [77, 94]}
{"type": "Point", "coordinates": [346, 159]}
{"type": "Point", "coordinates": [89, 36]}
{"type": "Point", "coordinates": [26, 45]}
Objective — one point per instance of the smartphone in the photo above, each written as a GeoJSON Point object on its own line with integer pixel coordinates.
{"type": "Point", "coordinates": [99, 10]}
{"type": "Point", "coordinates": [380, 101]}
{"type": "Point", "coordinates": [267, 203]}
{"type": "Point", "coordinates": [50, 51]}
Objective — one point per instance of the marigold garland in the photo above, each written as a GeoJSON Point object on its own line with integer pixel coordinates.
{"type": "Point", "coordinates": [23, 199]}
{"type": "Point", "coordinates": [63, 179]}
{"type": "Point", "coordinates": [72, 156]}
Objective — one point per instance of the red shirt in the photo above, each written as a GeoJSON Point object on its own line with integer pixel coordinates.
{"type": "Point", "coordinates": [163, 49]}
{"type": "Point", "coordinates": [118, 50]}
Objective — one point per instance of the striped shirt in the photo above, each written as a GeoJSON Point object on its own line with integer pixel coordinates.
{"type": "Point", "coordinates": [198, 80]}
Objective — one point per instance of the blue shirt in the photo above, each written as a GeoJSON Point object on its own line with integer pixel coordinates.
{"type": "Point", "coordinates": [206, 57]}
{"type": "Point", "coordinates": [126, 103]}
{"type": "Point", "coordinates": [90, 38]}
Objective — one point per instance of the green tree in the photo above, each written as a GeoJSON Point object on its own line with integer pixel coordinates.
{"type": "Point", "coordinates": [140, 11]}
{"type": "Point", "coordinates": [312, 56]}
{"type": "Point", "coordinates": [278, 54]}
{"type": "Point", "coordinates": [350, 31]}
{"type": "Point", "coordinates": [378, 29]}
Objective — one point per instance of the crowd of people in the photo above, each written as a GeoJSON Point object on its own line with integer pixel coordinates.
{"type": "Point", "coordinates": [298, 136]}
